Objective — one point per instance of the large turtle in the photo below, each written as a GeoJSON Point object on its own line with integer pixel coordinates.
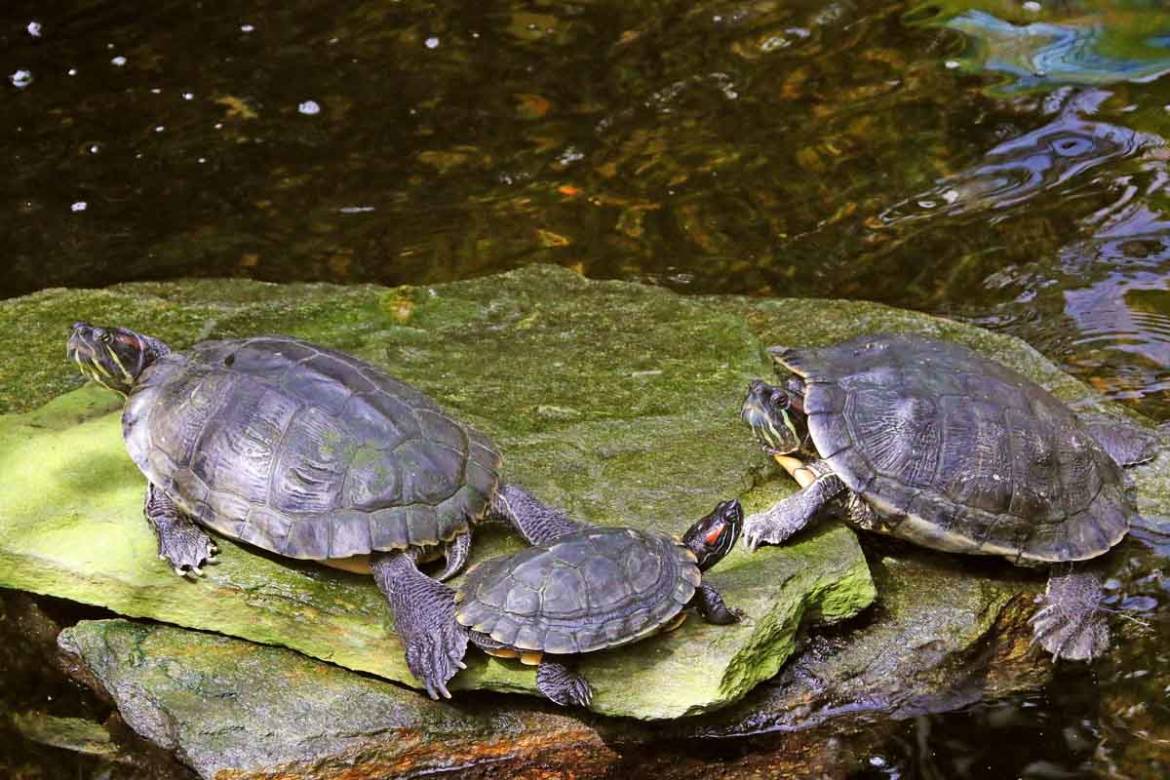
{"type": "Point", "coordinates": [583, 588]}
{"type": "Point", "coordinates": [308, 453]}
{"type": "Point", "coordinates": [930, 442]}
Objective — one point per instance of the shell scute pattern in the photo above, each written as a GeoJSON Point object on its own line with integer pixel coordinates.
{"type": "Point", "coordinates": [589, 590]}
{"type": "Point", "coordinates": [976, 457]}
{"type": "Point", "coordinates": [304, 451]}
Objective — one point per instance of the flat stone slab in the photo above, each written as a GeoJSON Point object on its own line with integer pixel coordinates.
{"type": "Point", "coordinates": [616, 401]}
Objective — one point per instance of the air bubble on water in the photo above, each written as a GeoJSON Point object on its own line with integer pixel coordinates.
{"type": "Point", "coordinates": [118, 61]}
{"type": "Point", "coordinates": [1032, 6]}
{"type": "Point", "coordinates": [21, 78]}
{"type": "Point", "coordinates": [247, 28]}
{"type": "Point", "coordinates": [431, 43]}
{"type": "Point", "coordinates": [309, 108]}
{"type": "Point", "coordinates": [78, 206]}
{"type": "Point", "coordinates": [34, 29]}
{"type": "Point", "coordinates": [188, 96]}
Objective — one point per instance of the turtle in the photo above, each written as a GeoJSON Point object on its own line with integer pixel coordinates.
{"type": "Point", "coordinates": [308, 453]}
{"type": "Point", "coordinates": [930, 442]}
{"type": "Point", "coordinates": [582, 588]}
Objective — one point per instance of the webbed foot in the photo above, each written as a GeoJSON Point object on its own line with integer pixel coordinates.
{"type": "Point", "coordinates": [424, 618]}
{"type": "Point", "coordinates": [1070, 623]}
{"type": "Point", "coordinates": [562, 685]}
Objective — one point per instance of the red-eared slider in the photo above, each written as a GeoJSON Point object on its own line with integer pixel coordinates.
{"type": "Point", "coordinates": [583, 588]}
{"type": "Point", "coordinates": [307, 453]}
{"type": "Point", "coordinates": [930, 442]}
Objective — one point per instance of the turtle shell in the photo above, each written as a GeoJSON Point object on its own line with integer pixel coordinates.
{"type": "Point", "coordinates": [305, 451]}
{"type": "Point", "coordinates": [588, 590]}
{"type": "Point", "coordinates": [960, 453]}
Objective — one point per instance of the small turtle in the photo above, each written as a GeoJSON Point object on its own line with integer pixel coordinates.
{"type": "Point", "coordinates": [930, 442]}
{"type": "Point", "coordinates": [583, 588]}
{"type": "Point", "coordinates": [308, 453]}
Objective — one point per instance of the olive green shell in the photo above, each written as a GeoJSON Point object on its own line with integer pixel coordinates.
{"type": "Point", "coordinates": [958, 452]}
{"type": "Point", "coordinates": [588, 590]}
{"type": "Point", "coordinates": [304, 451]}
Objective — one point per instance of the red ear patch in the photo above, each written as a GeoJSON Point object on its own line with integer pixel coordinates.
{"type": "Point", "coordinates": [714, 534]}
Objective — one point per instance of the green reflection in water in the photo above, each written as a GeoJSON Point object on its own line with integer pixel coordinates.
{"type": "Point", "coordinates": [1076, 43]}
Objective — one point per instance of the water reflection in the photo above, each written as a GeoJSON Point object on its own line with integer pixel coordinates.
{"type": "Point", "coordinates": [1082, 50]}
{"type": "Point", "coordinates": [1023, 167]}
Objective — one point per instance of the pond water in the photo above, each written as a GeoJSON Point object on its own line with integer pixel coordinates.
{"type": "Point", "coordinates": [1004, 163]}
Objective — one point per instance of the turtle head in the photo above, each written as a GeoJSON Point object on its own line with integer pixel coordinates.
{"type": "Point", "coordinates": [775, 416]}
{"type": "Point", "coordinates": [112, 357]}
{"type": "Point", "coordinates": [713, 536]}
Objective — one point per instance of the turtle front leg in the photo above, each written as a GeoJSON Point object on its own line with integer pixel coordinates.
{"type": "Point", "coordinates": [562, 685]}
{"type": "Point", "coordinates": [795, 512]}
{"type": "Point", "coordinates": [712, 608]}
{"type": "Point", "coordinates": [424, 618]}
{"type": "Point", "coordinates": [181, 543]}
{"type": "Point", "coordinates": [1070, 622]}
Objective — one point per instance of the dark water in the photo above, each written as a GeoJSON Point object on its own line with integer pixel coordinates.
{"type": "Point", "coordinates": [1000, 162]}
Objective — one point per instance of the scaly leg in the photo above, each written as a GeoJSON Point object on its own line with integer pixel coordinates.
{"type": "Point", "coordinates": [182, 543]}
{"type": "Point", "coordinates": [562, 685]}
{"type": "Point", "coordinates": [795, 512]}
{"type": "Point", "coordinates": [712, 608]}
{"type": "Point", "coordinates": [537, 523]}
{"type": "Point", "coordinates": [424, 618]}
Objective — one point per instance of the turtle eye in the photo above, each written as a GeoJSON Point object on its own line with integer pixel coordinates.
{"type": "Point", "coordinates": [105, 338]}
{"type": "Point", "coordinates": [780, 399]}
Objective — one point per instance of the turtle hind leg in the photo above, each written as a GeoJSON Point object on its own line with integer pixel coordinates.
{"type": "Point", "coordinates": [562, 685]}
{"type": "Point", "coordinates": [537, 523]}
{"type": "Point", "coordinates": [1070, 622]}
{"type": "Point", "coordinates": [424, 618]}
{"type": "Point", "coordinates": [1127, 443]}
{"type": "Point", "coordinates": [181, 543]}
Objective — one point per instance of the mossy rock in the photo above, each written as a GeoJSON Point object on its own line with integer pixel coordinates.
{"type": "Point", "coordinates": [616, 401]}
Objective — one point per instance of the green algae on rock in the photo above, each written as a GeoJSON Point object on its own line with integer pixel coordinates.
{"type": "Point", "coordinates": [616, 401]}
